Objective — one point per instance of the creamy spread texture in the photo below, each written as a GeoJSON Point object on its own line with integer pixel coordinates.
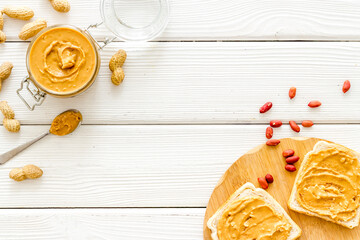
{"type": "Point", "coordinates": [62, 60]}
{"type": "Point", "coordinates": [329, 184]}
{"type": "Point", "coordinates": [65, 123]}
{"type": "Point", "coordinates": [252, 218]}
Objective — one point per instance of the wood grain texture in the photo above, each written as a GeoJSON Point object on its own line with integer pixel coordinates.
{"type": "Point", "coordinates": [223, 19]}
{"type": "Point", "coordinates": [101, 224]}
{"type": "Point", "coordinates": [137, 166]}
{"type": "Point", "coordinates": [208, 83]}
{"type": "Point", "coordinates": [268, 159]}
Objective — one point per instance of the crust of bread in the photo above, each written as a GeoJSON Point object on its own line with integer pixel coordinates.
{"type": "Point", "coordinates": [248, 189]}
{"type": "Point", "coordinates": [295, 206]}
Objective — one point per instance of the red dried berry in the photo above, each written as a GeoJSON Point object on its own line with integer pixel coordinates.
{"type": "Point", "coordinates": [314, 104]}
{"type": "Point", "coordinates": [292, 92]}
{"type": "Point", "coordinates": [263, 183]}
{"type": "Point", "coordinates": [273, 142]}
{"type": "Point", "coordinates": [266, 107]}
{"type": "Point", "coordinates": [275, 123]}
{"type": "Point", "coordinates": [346, 86]}
{"type": "Point", "coordinates": [269, 132]}
{"type": "Point", "coordinates": [307, 123]}
{"type": "Point", "coordinates": [292, 159]}
{"type": "Point", "coordinates": [269, 178]}
{"type": "Point", "coordinates": [294, 126]}
{"type": "Point", "coordinates": [288, 153]}
{"type": "Point", "coordinates": [290, 168]}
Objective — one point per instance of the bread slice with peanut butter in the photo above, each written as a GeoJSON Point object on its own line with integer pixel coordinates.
{"type": "Point", "coordinates": [252, 213]}
{"type": "Point", "coordinates": [328, 185]}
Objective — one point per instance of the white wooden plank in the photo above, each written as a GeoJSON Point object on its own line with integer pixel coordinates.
{"type": "Point", "coordinates": [208, 83]}
{"type": "Point", "coordinates": [224, 19]}
{"type": "Point", "coordinates": [104, 224]}
{"type": "Point", "coordinates": [137, 166]}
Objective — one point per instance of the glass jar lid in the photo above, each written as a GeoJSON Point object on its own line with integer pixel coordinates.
{"type": "Point", "coordinates": [135, 20]}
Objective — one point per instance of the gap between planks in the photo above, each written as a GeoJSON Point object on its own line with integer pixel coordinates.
{"type": "Point", "coordinates": [194, 124]}
{"type": "Point", "coordinates": [69, 208]}
{"type": "Point", "coordinates": [225, 41]}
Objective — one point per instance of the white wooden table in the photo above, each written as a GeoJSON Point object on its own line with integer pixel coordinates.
{"type": "Point", "coordinates": [150, 151]}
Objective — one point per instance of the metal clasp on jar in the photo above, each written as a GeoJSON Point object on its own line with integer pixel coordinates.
{"type": "Point", "coordinates": [106, 41]}
{"type": "Point", "coordinates": [35, 92]}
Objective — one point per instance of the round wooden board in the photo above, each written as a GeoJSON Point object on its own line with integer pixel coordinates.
{"type": "Point", "coordinates": [266, 159]}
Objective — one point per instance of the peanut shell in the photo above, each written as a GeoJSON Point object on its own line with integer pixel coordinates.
{"type": "Point", "coordinates": [5, 71]}
{"type": "Point", "coordinates": [17, 174]}
{"type": "Point", "coordinates": [60, 5]}
{"type": "Point", "coordinates": [23, 13]}
{"type": "Point", "coordinates": [118, 76]}
{"type": "Point", "coordinates": [1, 21]}
{"type": "Point", "coordinates": [32, 171]}
{"type": "Point", "coordinates": [2, 36]}
{"type": "Point", "coordinates": [117, 60]}
{"type": "Point", "coordinates": [12, 125]}
{"type": "Point", "coordinates": [6, 110]}
{"type": "Point", "coordinates": [33, 28]}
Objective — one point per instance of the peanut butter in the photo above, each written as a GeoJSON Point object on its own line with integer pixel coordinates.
{"type": "Point", "coordinates": [252, 218]}
{"type": "Point", "coordinates": [329, 184]}
{"type": "Point", "coordinates": [65, 123]}
{"type": "Point", "coordinates": [62, 60]}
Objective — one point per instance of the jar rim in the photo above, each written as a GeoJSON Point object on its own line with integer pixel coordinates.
{"type": "Point", "coordinates": [127, 33]}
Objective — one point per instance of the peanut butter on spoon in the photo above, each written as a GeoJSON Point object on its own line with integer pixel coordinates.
{"type": "Point", "coordinates": [66, 123]}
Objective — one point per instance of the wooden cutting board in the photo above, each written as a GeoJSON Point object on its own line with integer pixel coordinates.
{"type": "Point", "coordinates": [266, 159]}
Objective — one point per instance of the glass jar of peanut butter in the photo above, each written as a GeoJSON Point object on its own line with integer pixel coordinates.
{"type": "Point", "coordinates": [64, 60]}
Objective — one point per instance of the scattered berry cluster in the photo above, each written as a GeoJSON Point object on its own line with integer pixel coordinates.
{"type": "Point", "coordinates": [264, 181]}
{"type": "Point", "coordinates": [294, 126]}
{"type": "Point", "coordinates": [288, 154]}
{"type": "Point", "coordinates": [290, 159]}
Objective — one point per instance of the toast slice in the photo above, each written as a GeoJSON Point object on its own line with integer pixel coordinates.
{"type": "Point", "coordinates": [248, 189]}
{"type": "Point", "coordinates": [295, 205]}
